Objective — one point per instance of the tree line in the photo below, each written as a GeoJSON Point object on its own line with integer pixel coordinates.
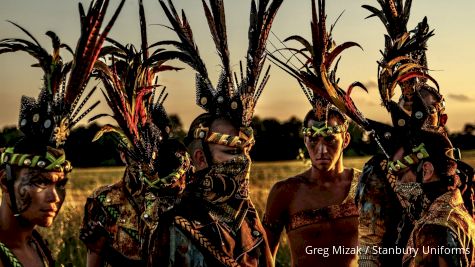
{"type": "Point", "coordinates": [275, 141]}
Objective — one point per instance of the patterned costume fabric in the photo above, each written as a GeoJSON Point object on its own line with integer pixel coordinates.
{"type": "Point", "coordinates": [193, 236]}
{"type": "Point", "coordinates": [214, 217]}
{"type": "Point", "coordinates": [334, 212]}
{"type": "Point", "coordinates": [445, 230]}
{"type": "Point", "coordinates": [113, 212]}
{"type": "Point", "coordinates": [124, 217]}
{"type": "Point", "coordinates": [8, 258]}
{"type": "Point", "coordinates": [225, 189]}
{"type": "Point", "coordinates": [381, 221]}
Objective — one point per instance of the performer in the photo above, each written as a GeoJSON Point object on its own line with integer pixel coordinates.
{"type": "Point", "coordinates": [118, 217]}
{"type": "Point", "coordinates": [328, 218]}
{"type": "Point", "coordinates": [34, 172]}
{"type": "Point", "coordinates": [445, 233]}
{"type": "Point", "coordinates": [215, 222]}
{"type": "Point", "coordinates": [421, 106]}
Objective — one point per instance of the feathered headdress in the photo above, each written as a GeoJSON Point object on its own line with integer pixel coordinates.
{"type": "Point", "coordinates": [234, 96]}
{"type": "Point", "coordinates": [316, 59]}
{"type": "Point", "coordinates": [404, 64]}
{"type": "Point", "coordinates": [322, 109]}
{"type": "Point", "coordinates": [46, 121]}
{"type": "Point", "coordinates": [404, 60]}
{"type": "Point", "coordinates": [130, 85]}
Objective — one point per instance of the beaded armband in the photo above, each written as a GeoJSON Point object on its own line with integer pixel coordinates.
{"type": "Point", "coordinates": [275, 226]}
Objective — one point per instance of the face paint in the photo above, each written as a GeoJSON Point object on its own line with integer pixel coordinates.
{"type": "Point", "coordinates": [325, 144]}
{"type": "Point", "coordinates": [39, 195]}
{"type": "Point", "coordinates": [23, 197]}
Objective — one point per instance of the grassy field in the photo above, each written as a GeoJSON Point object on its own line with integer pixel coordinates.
{"type": "Point", "coordinates": [63, 235]}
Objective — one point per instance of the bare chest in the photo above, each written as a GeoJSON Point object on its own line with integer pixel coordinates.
{"type": "Point", "coordinates": [28, 257]}
{"type": "Point", "coordinates": [308, 197]}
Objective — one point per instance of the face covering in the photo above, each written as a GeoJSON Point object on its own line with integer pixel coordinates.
{"type": "Point", "coordinates": [224, 187]}
{"type": "Point", "coordinates": [412, 198]}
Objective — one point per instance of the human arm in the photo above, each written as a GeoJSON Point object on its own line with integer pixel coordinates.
{"type": "Point", "coordinates": [94, 259]}
{"type": "Point", "coordinates": [93, 234]}
{"type": "Point", "coordinates": [275, 214]}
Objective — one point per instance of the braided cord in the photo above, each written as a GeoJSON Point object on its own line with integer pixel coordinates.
{"type": "Point", "coordinates": [204, 242]}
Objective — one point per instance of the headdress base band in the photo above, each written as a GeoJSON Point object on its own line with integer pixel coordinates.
{"type": "Point", "coordinates": [47, 162]}
{"type": "Point", "coordinates": [245, 138]}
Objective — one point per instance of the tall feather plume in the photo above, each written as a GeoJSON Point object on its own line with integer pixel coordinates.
{"type": "Point", "coordinates": [128, 78]}
{"type": "Point", "coordinates": [52, 65]}
{"type": "Point", "coordinates": [89, 45]}
{"type": "Point", "coordinates": [143, 30]}
{"type": "Point", "coordinates": [317, 57]}
{"type": "Point", "coordinates": [217, 24]}
{"type": "Point", "coordinates": [224, 98]}
{"type": "Point", "coordinates": [187, 52]}
{"type": "Point", "coordinates": [404, 62]}
{"type": "Point", "coordinates": [260, 21]}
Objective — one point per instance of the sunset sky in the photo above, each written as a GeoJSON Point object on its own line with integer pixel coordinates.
{"type": "Point", "coordinates": [451, 53]}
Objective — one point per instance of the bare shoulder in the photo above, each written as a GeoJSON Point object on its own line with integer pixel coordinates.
{"type": "Point", "coordinates": [284, 189]}
{"type": "Point", "coordinates": [280, 197]}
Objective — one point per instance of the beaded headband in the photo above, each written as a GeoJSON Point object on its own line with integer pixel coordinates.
{"type": "Point", "coordinates": [324, 130]}
{"type": "Point", "coordinates": [48, 162]}
{"type": "Point", "coordinates": [245, 138]}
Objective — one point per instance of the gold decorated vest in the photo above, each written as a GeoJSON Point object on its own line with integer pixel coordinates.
{"type": "Point", "coordinates": [447, 211]}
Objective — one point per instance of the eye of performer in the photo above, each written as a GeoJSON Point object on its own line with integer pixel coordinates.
{"type": "Point", "coordinates": [42, 181]}
{"type": "Point", "coordinates": [233, 151]}
{"type": "Point", "coordinates": [330, 138]}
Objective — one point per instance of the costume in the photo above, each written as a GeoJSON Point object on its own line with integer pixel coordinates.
{"type": "Point", "coordinates": [9, 260]}
{"type": "Point", "coordinates": [122, 214]}
{"type": "Point", "coordinates": [215, 222]}
{"type": "Point", "coordinates": [443, 231]}
{"type": "Point", "coordinates": [312, 69]}
{"type": "Point", "coordinates": [387, 218]}
{"type": "Point", "coordinates": [347, 208]}
{"type": "Point", "coordinates": [46, 122]}
{"type": "Point", "coordinates": [381, 197]}
{"type": "Point", "coordinates": [118, 214]}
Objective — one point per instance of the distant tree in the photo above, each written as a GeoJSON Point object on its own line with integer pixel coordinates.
{"type": "Point", "coordinates": [177, 127]}
{"type": "Point", "coordinates": [292, 137]}
{"type": "Point", "coordinates": [466, 139]}
{"type": "Point", "coordinates": [274, 141]}
{"type": "Point", "coordinates": [82, 152]}
{"type": "Point", "coordinates": [469, 128]}
{"type": "Point", "coordinates": [359, 146]}
{"type": "Point", "coordinates": [9, 136]}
